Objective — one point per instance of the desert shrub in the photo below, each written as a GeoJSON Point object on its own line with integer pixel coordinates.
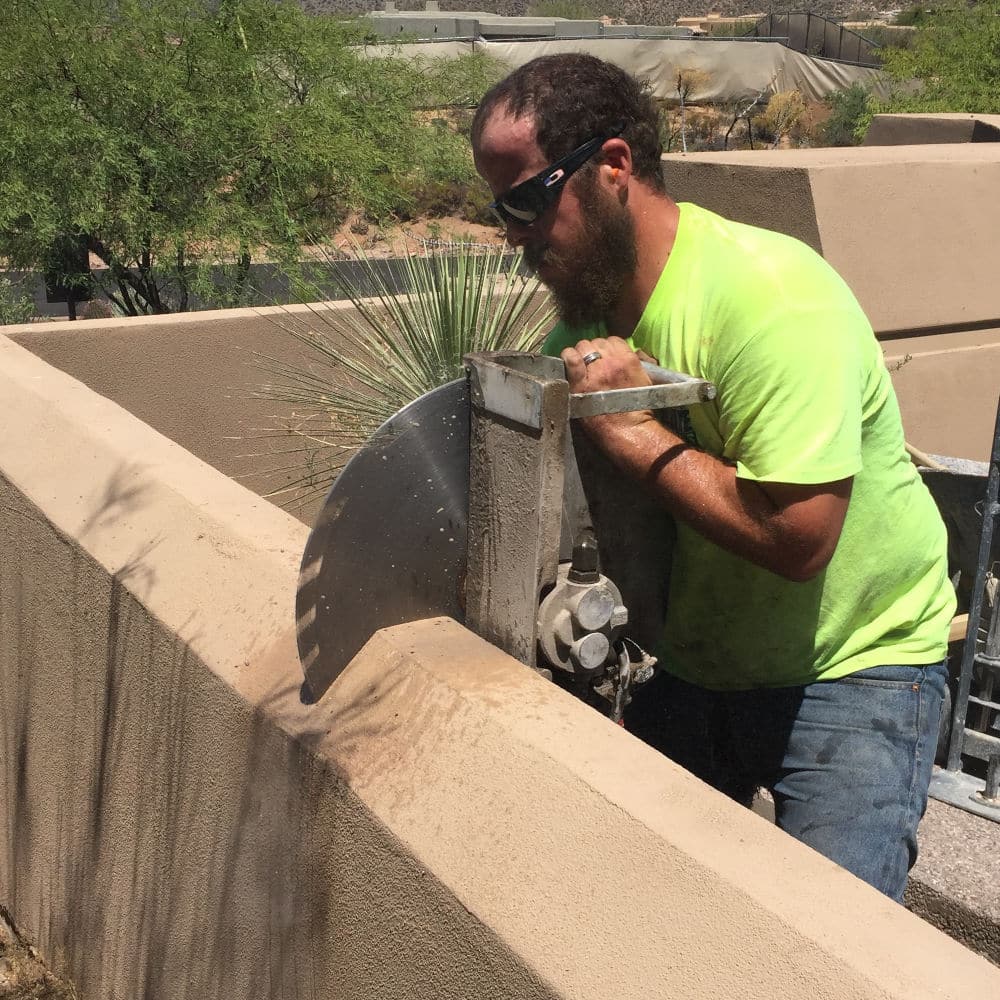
{"type": "Point", "coordinates": [850, 114]}
{"type": "Point", "coordinates": [888, 37]}
{"type": "Point", "coordinates": [366, 363]}
{"type": "Point", "coordinates": [780, 117]}
{"type": "Point", "coordinates": [913, 16]}
{"type": "Point", "coordinates": [572, 10]}
{"type": "Point", "coordinates": [15, 305]}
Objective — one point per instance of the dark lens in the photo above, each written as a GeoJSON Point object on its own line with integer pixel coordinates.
{"type": "Point", "coordinates": [498, 210]}
{"type": "Point", "coordinates": [518, 215]}
{"type": "Point", "coordinates": [525, 202]}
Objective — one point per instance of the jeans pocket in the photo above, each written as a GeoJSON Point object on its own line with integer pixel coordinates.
{"type": "Point", "coordinates": [898, 677]}
{"type": "Point", "coordinates": [933, 677]}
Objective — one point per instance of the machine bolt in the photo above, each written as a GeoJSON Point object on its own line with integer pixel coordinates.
{"type": "Point", "coordinates": [643, 674]}
{"type": "Point", "coordinates": [585, 567]}
{"type": "Point", "coordinates": [590, 652]}
{"type": "Point", "coordinates": [595, 609]}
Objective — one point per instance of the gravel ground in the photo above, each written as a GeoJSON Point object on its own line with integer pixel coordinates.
{"type": "Point", "coordinates": [23, 975]}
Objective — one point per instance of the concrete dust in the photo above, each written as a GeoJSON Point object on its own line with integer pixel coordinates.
{"type": "Point", "coordinates": [23, 975]}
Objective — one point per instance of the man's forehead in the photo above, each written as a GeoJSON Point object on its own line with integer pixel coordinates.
{"type": "Point", "coordinates": [504, 135]}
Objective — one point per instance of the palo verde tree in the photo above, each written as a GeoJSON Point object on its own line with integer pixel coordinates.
{"type": "Point", "coordinates": [955, 57]}
{"type": "Point", "coordinates": [173, 135]}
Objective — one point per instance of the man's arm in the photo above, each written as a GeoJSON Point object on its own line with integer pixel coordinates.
{"type": "Point", "coordinates": [789, 529]}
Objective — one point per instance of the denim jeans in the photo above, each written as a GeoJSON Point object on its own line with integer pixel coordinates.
{"type": "Point", "coordinates": [848, 761]}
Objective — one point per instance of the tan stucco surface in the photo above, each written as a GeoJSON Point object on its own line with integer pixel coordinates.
{"type": "Point", "coordinates": [911, 230]}
{"type": "Point", "coordinates": [198, 377]}
{"type": "Point", "coordinates": [192, 376]}
{"type": "Point", "coordinates": [443, 824]}
{"type": "Point", "coordinates": [947, 387]}
{"type": "Point", "coordinates": [911, 129]}
{"type": "Point", "coordinates": [163, 833]}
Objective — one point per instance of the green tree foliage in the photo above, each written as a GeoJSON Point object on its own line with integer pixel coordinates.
{"type": "Point", "coordinates": [955, 57]}
{"type": "Point", "coordinates": [15, 304]}
{"type": "Point", "coordinates": [175, 134]}
{"type": "Point", "coordinates": [850, 114]}
{"type": "Point", "coordinates": [912, 16]}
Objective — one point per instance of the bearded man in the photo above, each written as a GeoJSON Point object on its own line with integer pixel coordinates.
{"type": "Point", "coordinates": [809, 599]}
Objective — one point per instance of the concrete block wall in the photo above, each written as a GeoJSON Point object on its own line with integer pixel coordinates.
{"type": "Point", "coordinates": [443, 823]}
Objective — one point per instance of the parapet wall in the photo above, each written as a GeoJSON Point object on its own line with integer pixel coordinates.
{"type": "Point", "coordinates": [444, 823]}
{"type": "Point", "coordinates": [918, 129]}
{"type": "Point", "coordinates": [196, 378]}
{"type": "Point", "coordinates": [910, 229]}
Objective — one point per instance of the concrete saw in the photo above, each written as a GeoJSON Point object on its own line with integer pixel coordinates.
{"type": "Point", "coordinates": [484, 501]}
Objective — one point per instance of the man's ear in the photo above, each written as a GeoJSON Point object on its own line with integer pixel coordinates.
{"type": "Point", "coordinates": [617, 158]}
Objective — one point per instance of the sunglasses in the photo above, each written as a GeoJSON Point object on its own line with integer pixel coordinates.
{"type": "Point", "coordinates": [524, 203]}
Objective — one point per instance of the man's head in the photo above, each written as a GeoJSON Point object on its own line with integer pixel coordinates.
{"type": "Point", "coordinates": [559, 141]}
{"type": "Point", "coordinates": [573, 97]}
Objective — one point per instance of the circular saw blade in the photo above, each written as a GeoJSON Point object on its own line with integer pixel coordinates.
{"type": "Point", "coordinates": [389, 544]}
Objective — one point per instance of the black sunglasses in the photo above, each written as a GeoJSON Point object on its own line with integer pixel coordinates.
{"type": "Point", "coordinates": [524, 203]}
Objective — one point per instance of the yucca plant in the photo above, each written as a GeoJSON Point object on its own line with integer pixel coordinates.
{"type": "Point", "coordinates": [396, 343]}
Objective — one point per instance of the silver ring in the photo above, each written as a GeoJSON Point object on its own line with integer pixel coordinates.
{"type": "Point", "coordinates": [589, 359]}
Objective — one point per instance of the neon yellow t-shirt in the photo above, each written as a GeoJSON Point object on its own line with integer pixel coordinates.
{"type": "Point", "coordinates": [803, 397]}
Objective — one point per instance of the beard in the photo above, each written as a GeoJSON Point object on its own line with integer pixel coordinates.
{"type": "Point", "coordinates": [586, 280]}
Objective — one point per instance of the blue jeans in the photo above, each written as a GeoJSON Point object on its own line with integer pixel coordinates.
{"type": "Point", "coordinates": [848, 761]}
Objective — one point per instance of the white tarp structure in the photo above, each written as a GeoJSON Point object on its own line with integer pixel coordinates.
{"type": "Point", "coordinates": [733, 69]}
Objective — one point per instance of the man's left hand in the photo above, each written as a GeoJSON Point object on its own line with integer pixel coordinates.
{"type": "Point", "coordinates": [618, 366]}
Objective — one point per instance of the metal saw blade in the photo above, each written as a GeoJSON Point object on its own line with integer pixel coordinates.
{"type": "Point", "coordinates": [389, 544]}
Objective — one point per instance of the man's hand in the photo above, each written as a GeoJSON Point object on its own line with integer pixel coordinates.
{"type": "Point", "coordinates": [618, 367]}
{"type": "Point", "coordinates": [789, 529]}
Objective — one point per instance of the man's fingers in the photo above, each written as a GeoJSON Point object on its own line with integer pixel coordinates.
{"type": "Point", "coordinates": [616, 365]}
{"type": "Point", "coordinates": [573, 362]}
{"type": "Point", "coordinates": [576, 370]}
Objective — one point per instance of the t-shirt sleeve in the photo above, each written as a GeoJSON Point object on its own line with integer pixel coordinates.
{"type": "Point", "coordinates": [790, 400]}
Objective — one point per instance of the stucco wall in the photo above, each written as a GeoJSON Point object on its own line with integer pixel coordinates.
{"type": "Point", "coordinates": [910, 229]}
{"type": "Point", "coordinates": [197, 378]}
{"type": "Point", "coordinates": [444, 823]}
{"type": "Point", "coordinates": [193, 376]}
{"type": "Point", "coordinates": [913, 129]}
{"type": "Point", "coordinates": [166, 832]}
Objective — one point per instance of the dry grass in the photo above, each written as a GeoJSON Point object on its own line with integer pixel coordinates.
{"type": "Point", "coordinates": [23, 975]}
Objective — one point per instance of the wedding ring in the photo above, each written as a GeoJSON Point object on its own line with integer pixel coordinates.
{"type": "Point", "coordinates": [589, 359]}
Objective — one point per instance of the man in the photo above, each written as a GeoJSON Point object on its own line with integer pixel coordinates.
{"type": "Point", "coordinates": [809, 598]}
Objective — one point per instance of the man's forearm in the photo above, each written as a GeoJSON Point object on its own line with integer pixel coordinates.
{"type": "Point", "coordinates": [705, 493]}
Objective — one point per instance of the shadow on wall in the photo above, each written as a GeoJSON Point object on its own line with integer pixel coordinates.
{"type": "Point", "coordinates": [172, 844]}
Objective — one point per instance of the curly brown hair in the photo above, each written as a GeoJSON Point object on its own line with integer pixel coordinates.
{"type": "Point", "coordinates": [573, 97]}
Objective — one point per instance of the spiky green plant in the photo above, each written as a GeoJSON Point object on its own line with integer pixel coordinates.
{"type": "Point", "coordinates": [367, 362]}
